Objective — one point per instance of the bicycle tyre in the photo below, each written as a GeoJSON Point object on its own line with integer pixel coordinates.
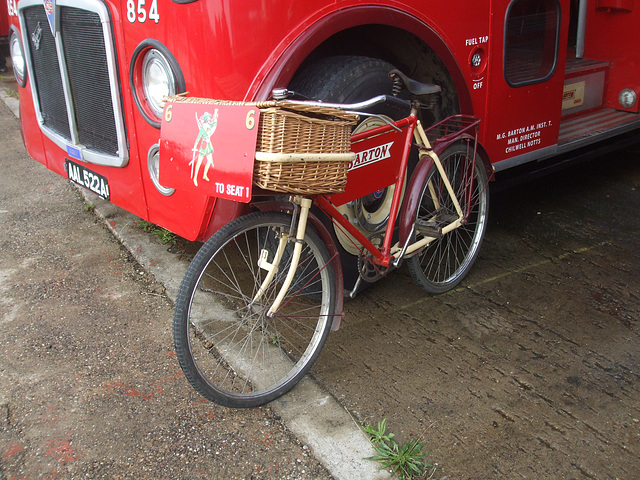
{"type": "Point", "coordinates": [445, 261]}
{"type": "Point", "coordinates": [231, 352]}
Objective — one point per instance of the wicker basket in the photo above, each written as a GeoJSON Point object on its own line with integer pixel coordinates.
{"type": "Point", "coordinates": [301, 149]}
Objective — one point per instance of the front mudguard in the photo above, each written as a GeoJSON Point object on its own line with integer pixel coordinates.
{"type": "Point", "coordinates": [325, 236]}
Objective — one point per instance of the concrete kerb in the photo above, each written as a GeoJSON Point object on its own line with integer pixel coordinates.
{"type": "Point", "coordinates": [12, 103]}
{"type": "Point", "coordinates": [313, 415]}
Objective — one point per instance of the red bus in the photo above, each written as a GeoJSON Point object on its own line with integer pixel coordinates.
{"type": "Point", "coordinates": [548, 78]}
{"type": "Point", "coordinates": [4, 26]}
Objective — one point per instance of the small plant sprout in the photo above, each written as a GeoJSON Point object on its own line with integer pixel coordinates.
{"type": "Point", "coordinates": [162, 233]}
{"type": "Point", "coordinates": [11, 93]}
{"type": "Point", "coordinates": [166, 236]}
{"type": "Point", "coordinates": [145, 226]}
{"type": "Point", "coordinates": [377, 436]}
{"type": "Point", "coordinates": [406, 461]}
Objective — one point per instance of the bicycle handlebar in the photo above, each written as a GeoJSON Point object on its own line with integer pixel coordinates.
{"type": "Point", "coordinates": [282, 94]}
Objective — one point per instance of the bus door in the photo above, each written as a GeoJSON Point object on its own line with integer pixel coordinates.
{"type": "Point", "coordinates": [525, 80]}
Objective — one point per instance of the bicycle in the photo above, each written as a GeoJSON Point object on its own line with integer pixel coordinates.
{"type": "Point", "coordinates": [260, 297]}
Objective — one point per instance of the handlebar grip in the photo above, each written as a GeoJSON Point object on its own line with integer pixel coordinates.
{"type": "Point", "coordinates": [398, 102]}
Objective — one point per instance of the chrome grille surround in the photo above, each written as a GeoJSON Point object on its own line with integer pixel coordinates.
{"type": "Point", "coordinates": [74, 79]}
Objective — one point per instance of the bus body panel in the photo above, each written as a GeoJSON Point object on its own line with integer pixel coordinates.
{"type": "Point", "coordinates": [229, 51]}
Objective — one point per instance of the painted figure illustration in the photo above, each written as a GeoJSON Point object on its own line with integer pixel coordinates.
{"type": "Point", "coordinates": [202, 147]}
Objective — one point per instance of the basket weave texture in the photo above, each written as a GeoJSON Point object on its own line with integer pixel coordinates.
{"type": "Point", "coordinates": [289, 128]}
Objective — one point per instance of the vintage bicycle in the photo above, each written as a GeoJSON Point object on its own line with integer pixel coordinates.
{"type": "Point", "coordinates": [259, 298]}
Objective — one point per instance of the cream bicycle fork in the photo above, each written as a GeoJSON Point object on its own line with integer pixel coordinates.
{"type": "Point", "coordinates": [299, 224]}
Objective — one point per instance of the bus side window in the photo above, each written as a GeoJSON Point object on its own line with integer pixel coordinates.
{"type": "Point", "coordinates": [532, 29]}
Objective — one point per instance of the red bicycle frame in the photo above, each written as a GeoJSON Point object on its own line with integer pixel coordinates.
{"type": "Point", "coordinates": [380, 256]}
{"type": "Point", "coordinates": [430, 142]}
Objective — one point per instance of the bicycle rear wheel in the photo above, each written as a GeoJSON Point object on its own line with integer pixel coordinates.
{"type": "Point", "coordinates": [231, 352]}
{"type": "Point", "coordinates": [445, 261]}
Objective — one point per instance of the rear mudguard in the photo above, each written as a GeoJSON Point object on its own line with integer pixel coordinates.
{"type": "Point", "coordinates": [325, 236]}
{"type": "Point", "coordinates": [419, 176]}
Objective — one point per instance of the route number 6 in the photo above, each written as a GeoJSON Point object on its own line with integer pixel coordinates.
{"type": "Point", "coordinates": [140, 13]}
{"type": "Point", "coordinates": [251, 119]}
{"type": "Point", "coordinates": [168, 113]}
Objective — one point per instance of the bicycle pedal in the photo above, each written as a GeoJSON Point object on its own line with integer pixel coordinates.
{"type": "Point", "coordinates": [428, 229]}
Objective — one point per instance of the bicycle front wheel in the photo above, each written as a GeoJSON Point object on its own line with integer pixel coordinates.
{"type": "Point", "coordinates": [445, 261]}
{"type": "Point", "coordinates": [230, 350]}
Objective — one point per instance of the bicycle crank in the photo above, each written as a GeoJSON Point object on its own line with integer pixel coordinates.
{"type": "Point", "coordinates": [369, 271]}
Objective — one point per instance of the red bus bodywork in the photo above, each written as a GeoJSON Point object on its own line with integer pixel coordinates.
{"type": "Point", "coordinates": [4, 22]}
{"type": "Point", "coordinates": [545, 76]}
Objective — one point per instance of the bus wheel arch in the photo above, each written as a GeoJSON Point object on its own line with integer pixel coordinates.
{"type": "Point", "coordinates": [377, 32]}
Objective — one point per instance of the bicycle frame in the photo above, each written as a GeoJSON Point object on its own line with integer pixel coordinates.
{"type": "Point", "coordinates": [387, 255]}
{"type": "Point", "coordinates": [381, 255]}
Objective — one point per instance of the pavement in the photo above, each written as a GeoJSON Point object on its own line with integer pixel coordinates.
{"type": "Point", "coordinates": [311, 414]}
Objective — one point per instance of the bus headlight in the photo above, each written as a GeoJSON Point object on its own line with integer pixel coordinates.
{"type": "Point", "coordinates": [17, 59]}
{"type": "Point", "coordinates": [158, 80]}
{"type": "Point", "coordinates": [154, 74]}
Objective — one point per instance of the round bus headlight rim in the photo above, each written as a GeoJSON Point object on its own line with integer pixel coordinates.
{"type": "Point", "coordinates": [158, 80]}
{"type": "Point", "coordinates": [17, 58]}
{"type": "Point", "coordinates": [154, 72]}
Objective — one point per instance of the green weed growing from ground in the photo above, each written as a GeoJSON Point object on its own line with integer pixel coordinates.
{"type": "Point", "coordinates": [166, 236]}
{"type": "Point", "coordinates": [12, 93]}
{"type": "Point", "coordinates": [163, 234]}
{"type": "Point", "coordinates": [406, 461]}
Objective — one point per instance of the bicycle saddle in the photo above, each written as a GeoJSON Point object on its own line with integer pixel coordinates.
{"type": "Point", "coordinates": [413, 86]}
